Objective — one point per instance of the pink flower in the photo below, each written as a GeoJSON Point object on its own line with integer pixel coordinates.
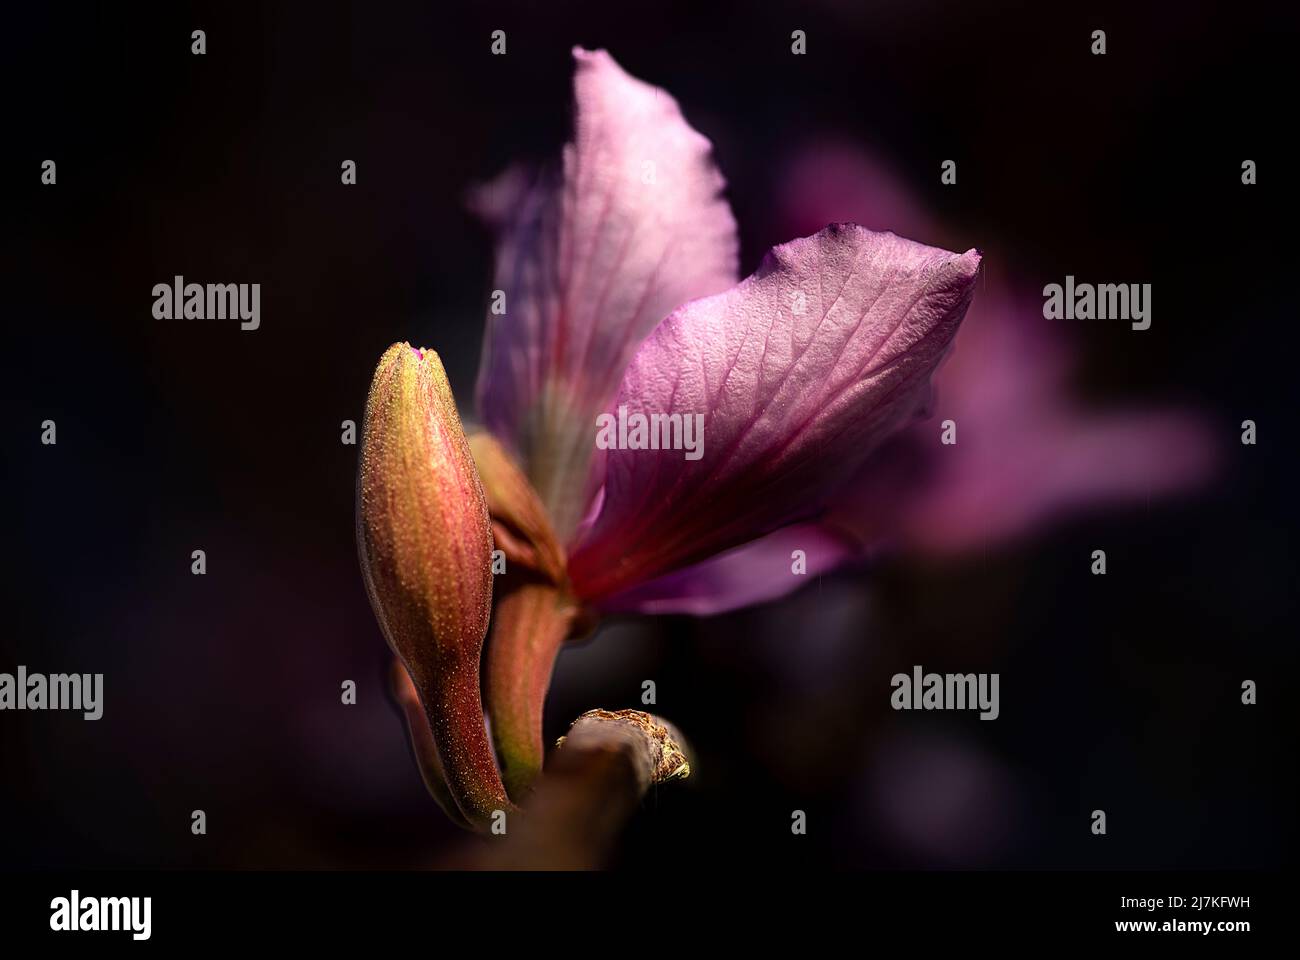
{"type": "Point", "coordinates": [660, 437]}
{"type": "Point", "coordinates": [618, 279]}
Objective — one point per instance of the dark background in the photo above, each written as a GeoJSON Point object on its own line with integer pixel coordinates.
{"type": "Point", "coordinates": [222, 692]}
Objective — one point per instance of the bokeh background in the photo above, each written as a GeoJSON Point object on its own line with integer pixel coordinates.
{"type": "Point", "coordinates": [222, 691]}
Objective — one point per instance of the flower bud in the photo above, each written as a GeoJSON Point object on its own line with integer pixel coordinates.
{"type": "Point", "coordinates": [425, 544]}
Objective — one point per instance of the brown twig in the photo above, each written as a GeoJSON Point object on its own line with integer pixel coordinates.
{"type": "Point", "coordinates": [593, 783]}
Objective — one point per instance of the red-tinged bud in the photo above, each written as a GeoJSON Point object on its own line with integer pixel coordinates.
{"type": "Point", "coordinates": [425, 543]}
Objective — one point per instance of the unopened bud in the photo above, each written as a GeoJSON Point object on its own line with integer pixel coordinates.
{"type": "Point", "coordinates": [425, 543]}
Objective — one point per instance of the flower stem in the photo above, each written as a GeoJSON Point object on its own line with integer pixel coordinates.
{"type": "Point", "coordinates": [531, 623]}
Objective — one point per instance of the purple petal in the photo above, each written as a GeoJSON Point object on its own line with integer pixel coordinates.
{"type": "Point", "coordinates": [796, 374]}
{"type": "Point", "coordinates": [590, 262]}
{"type": "Point", "coordinates": [757, 572]}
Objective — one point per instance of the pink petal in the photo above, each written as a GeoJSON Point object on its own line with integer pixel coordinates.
{"type": "Point", "coordinates": [1007, 484]}
{"type": "Point", "coordinates": [1026, 453]}
{"type": "Point", "coordinates": [757, 572]}
{"type": "Point", "coordinates": [590, 262]}
{"type": "Point", "coordinates": [798, 372]}
{"type": "Point", "coordinates": [829, 179]}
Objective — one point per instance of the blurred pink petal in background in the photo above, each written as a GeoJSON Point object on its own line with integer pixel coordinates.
{"type": "Point", "coordinates": [1027, 451]}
